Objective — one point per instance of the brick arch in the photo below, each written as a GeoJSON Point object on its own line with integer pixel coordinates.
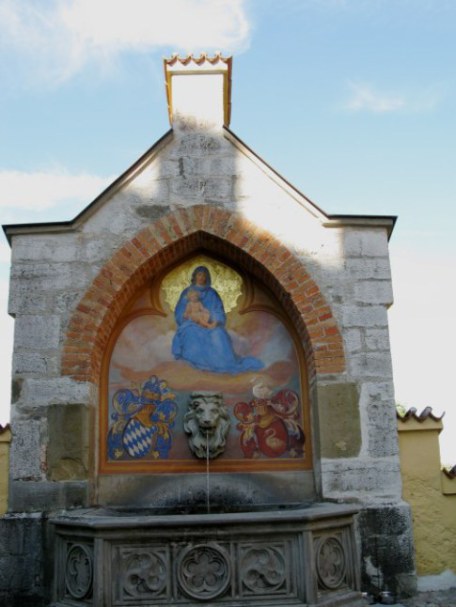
{"type": "Point", "coordinates": [170, 238]}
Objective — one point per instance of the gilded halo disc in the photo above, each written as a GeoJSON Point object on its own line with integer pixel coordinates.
{"type": "Point", "coordinates": [224, 280]}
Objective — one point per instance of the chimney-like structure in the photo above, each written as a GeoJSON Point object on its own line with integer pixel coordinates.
{"type": "Point", "coordinates": [198, 90]}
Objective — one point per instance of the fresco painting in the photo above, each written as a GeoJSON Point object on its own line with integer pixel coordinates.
{"type": "Point", "coordinates": [205, 327]}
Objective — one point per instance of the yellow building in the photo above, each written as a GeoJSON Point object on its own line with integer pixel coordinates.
{"type": "Point", "coordinates": [5, 439]}
{"type": "Point", "coordinates": [430, 491]}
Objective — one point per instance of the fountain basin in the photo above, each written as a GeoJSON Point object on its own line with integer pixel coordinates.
{"type": "Point", "coordinates": [303, 556]}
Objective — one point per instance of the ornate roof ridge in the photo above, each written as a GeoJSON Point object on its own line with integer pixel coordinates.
{"type": "Point", "coordinates": [4, 428]}
{"type": "Point", "coordinates": [198, 60]}
{"type": "Point", "coordinates": [425, 414]}
{"type": "Point", "coordinates": [191, 65]}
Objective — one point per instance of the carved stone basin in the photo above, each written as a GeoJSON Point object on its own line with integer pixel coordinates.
{"type": "Point", "coordinates": [301, 557]}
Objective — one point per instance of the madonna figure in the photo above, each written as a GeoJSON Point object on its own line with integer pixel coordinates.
{"type": "Point", "coordinates": [201, 338]}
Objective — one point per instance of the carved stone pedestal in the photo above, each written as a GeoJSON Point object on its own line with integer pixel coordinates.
{"type": "Point", "coordinates": [300, 557]}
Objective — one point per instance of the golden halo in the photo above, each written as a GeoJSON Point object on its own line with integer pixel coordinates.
{"type": "Point", "coordinates": [224, 280]}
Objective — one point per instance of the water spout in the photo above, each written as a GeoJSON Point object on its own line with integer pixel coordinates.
{"type": "Point", "coordinates": [208, 502]}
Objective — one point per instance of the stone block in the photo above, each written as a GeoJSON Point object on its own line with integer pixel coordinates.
{"type": "Point", "coordinates": [30, 496]}
{"type": "Point", "coordinates": [377, 339]}
{"type": "Point", "coordinates": [51, 247]}
{"type": "Point", "coordinates": [23, 300]}
{"type": "Point", "coordinates": [219, 189]}
{"type": "Point", "coordinates": [219, 165]}
{"type": "Point", "coordinates": [20, 539]}
{"type": "Point", "coordinates": [387, 554]}
{"type": "Point", "coordinates": [65, 302]}
{"type": "Point", "coordinates": [145, 191]}
{"type": "Point", "coordinates": [369, 268]}
{"type": "Point", "coordinates": [191, 189]}
{"type": "Point", "coordinates": [339, 291]}
{"type": "Point", "coordinates": [365, 316]}
{"type": "Point", "coordinates": [112, 223]}
{"type": "Point", "coordinates": [16, 389]}
{"type": "Point", "coordinates": [51, 276]}
{"type": "Point", "coordinates": [59, 390]}
{"type": "Point", "coordinates": [23, 556]}
{"type": "Point", "coordinates": [201, 189]}
{"type": "Point", "coordinates": [374, 292]}
{"type": "Point", "coordinates": [197, 144]}
{"type": "Point", "coordinates": [94, 249]}
{"type": "Point", "coordinates": [184, 167]}
{"type": "Point", "coordinates": [151, 212]}
{"type": "Point", "coordinates": [37, 332]}
{"type": "Point", "coordinates": [68, 446]}
{"type": "Point", "coordinates": [368, 480]}
{"type": "Point", "coordinates": [353, 341]}
{"type": "Point", "coordinates": [17, 530]}
{"type": "Point", "coordinates": [170, 168]}
{"type": "Point", "coordinates": [366, 243]}
{"type": "Point", "coordinates": [382, 440]}
{"type": "Point", "coordinates": [379, 390]}
{"type": "Point", "coordinates": [33, 363]}
{"type": "Point", "coordinates": [26, 453]}
{"type": "Point", "coordinates": [381, 444]}
{"type": "Point", "coordinates": [370, 365]}
{"type": "Point", "coordinates": [377, 402]}
{"type": "Point", "coordinates": [340, 428]}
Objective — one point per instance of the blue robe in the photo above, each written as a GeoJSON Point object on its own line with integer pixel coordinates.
{"type": "Point", "coordinates": [204, 348]}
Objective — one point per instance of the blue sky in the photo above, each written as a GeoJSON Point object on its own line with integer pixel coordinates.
{"type": "Point", "coordinates": [351, 100]}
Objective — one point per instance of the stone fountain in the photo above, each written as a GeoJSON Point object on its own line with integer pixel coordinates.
{"type": "Point", "coordinates": [295, 555]}
{"type": "Point", "coordinates": [203, 401]}
{"type": "Point", "coordinates": [303, 556]}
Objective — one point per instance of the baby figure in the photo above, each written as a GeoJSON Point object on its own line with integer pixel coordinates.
{"type": "Point", "coordinates": [196, 311]}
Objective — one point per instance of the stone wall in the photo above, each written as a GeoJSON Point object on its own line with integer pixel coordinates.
{"type": "Point", "coordinates": [25, 561]}
{"type": "Point", "coordinates": [205, 189]}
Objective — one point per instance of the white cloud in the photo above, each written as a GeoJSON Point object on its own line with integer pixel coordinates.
{"type": "Point", "coordinates": [43, 190]}
{"type": "Point", "coordinates": [62, 36]}
{"type": "Point", "coordinates": [364, 97]}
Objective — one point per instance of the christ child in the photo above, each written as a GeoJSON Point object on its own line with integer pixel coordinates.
{"type": "Point", "coordinates": [196, 312]}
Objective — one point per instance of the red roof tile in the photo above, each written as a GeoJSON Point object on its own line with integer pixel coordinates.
{"type": "Point", "coordinates": [423, 416]}
{"type": "Point", "coordinates": [198, 60]}
{"type": "Point", "coordinates": [450, 472]}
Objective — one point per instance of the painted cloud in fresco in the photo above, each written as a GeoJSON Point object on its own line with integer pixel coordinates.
{"type": "Point", "coordinates": [144, 347]}
{"type": "Point", "coordinates": [144, 343]}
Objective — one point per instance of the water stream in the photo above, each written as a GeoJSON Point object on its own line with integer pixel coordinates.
{"type": "Point", "coordinates": [208, 503]}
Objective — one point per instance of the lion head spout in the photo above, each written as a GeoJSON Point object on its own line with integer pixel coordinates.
{"type": "Point", "coordinates": [207, 423]}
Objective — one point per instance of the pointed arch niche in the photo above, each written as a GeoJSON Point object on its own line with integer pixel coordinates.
{"type": "Point", "coordinates": [203, 325]}
{"type": "Point", "coordinates": [130, 294]}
